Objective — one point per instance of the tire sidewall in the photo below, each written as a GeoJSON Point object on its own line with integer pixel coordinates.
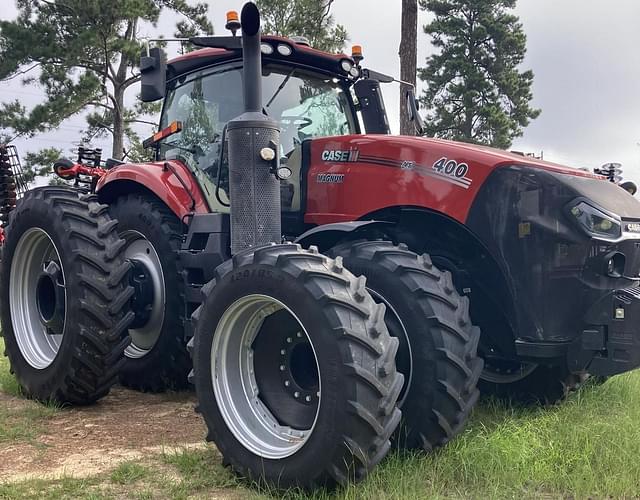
{"type": "Point", "coordinates": [317, 452]}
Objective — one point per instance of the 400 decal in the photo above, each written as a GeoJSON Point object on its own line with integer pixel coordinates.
{"type": "Point", "coordinates": [451, 167]}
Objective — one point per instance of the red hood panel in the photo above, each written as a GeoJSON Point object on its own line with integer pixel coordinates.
{"type": "Point", "coordinates": [352, 176]}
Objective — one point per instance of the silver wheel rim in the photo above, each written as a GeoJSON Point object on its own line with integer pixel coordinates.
{"type": "Point", "coordinates": [143, 339]}
{"type": "Point", "coordinates": [34, 251]}
{"type": "Point", "coordinates": [235, 386]}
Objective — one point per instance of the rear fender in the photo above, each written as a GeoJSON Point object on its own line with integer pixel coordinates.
{"type": "Point", "coordinates": [170, 181]}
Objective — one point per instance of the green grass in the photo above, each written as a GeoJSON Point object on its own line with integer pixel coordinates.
{"type": "Point", "coordinates": [587, 447]}
{"type": "Point", "coordinates": [22, 422]}
{"type": "Point", "coordinates": [129, 473]}
{"type": "Point", "coordinates": [8, 383]}
{"type": "Point", "coordinates": [199, 471]}
{"type": "Point", "coordinates": [584, 448]}
{"type": "Point", "coordinates": [66, 488]}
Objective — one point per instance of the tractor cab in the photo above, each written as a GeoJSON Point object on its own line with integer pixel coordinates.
{"type": "Point", "coordinates": [310, 93]}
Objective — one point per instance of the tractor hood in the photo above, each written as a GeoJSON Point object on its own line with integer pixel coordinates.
{"type": "Point", "coordinates": [446, 176]}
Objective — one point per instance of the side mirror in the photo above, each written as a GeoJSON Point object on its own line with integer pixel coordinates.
{"type": "Point", "coordinates": [153, 71]}
{"type": "Point", "coordinates": [414, 115]}
{"type": "Point", "coordinates": [374, 114]}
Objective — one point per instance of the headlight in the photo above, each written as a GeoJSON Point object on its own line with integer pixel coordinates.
{"type": "Point", "coordinates": [596, 222]}
{"type": "Point", "coordinates": [346, 65]}
{"type": "Point", "coordinates": [284, 49]}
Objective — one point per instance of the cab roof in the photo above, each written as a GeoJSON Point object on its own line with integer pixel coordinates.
{"type": "Point", "coordinates": [300, 54]}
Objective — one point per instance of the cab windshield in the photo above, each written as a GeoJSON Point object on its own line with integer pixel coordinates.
{"type": "Point", "coordinates": [306, 105]}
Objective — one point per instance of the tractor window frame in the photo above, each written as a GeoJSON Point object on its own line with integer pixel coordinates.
{"type": "Point", "coordinates": [203, 72]}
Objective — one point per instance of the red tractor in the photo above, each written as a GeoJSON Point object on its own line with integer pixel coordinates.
{"type": "Point", "coordinates": [275, 178]}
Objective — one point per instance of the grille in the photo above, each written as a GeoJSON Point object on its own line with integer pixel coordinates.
{"type": "Point", "coordinates": [633, 291]}
{"type": "Point", "coordinates": [254, 191]}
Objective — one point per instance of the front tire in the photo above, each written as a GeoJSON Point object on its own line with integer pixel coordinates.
{"type": "Point", "coordinates": [528, 384]}
{"type": "Point", "coordinates": [438, 343]}
{"type": "Point", "coordinates": [320, 417]}
{"type": "Point", "coordinates": [157, 359]}
{"type": "Point", "coordinates": [64, 296]}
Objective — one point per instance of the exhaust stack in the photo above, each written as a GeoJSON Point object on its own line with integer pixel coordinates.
{"type": "Point", "coordinates": [254, 190]}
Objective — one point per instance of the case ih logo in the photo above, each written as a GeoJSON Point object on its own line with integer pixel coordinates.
{"type": "Point", "coordinates": [633, 227]}
{"type": "Point", "coordinates": [340, 156]}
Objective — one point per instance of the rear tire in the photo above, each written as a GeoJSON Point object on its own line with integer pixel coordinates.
{"type": "Point", "coordinates": [438, 346]}
{"type": "Point", "coordinates": [157, 359]}
{"type": "Point", "coordinates": [346, 433]}
{"type": "Point", "coordinates": [64, 296]}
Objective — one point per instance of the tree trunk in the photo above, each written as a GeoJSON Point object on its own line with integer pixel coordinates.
{"type": "Point", "coordinates": [119, 86]}
{"type": "Point", "coordinates": [408, 60]}
{"type": "Point", "coordinates": [118, 125]}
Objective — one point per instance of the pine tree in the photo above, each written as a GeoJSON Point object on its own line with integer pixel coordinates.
{"type": "Point", "coordinates": [309, 18]}
{"type": "Point", "coordinates": [84, 55]}
{"type": "Point", "coordinates": [408, 53]}
{"type": "Point", "coordinates": [476, 92]}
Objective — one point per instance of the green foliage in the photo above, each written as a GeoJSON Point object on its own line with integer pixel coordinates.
{"type": "Point", "coordinates": [476, 93]}
{"type": "Point", "coordinates": [40, 163]}
{"type": "Point", "coordinates": [309, 18]}
{"type": "Point", "coordinates": [84, 55]}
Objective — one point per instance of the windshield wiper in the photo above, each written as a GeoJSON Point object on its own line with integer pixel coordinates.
{"type": "Point", "coordinates": [193, 151]}
{"type": "Point", "coordinates": [279, 89]}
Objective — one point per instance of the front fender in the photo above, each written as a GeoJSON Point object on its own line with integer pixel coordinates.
{"type": "Point", "coordinates": [327, 235]}
{"type": "Point", "coordinates": [170, 181]}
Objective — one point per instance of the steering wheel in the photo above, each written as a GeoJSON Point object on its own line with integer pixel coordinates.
{"type": "Point", "coordinates": [291, 120]}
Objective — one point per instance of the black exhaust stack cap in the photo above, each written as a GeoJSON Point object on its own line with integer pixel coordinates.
{"type": "Point", "coordinates": [252, 57]}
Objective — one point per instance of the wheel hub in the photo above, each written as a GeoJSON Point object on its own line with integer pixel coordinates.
{"type": "Point", "coordinates": [296, 357]}
{"type": "Point", "coordinates": [286, 371]}
{"type": "Point", "coordinates": [504, 371]}
{"type": "Point", "coordinates": [148, 302]}
{"type": "Point", "coordinates": [142, 302]}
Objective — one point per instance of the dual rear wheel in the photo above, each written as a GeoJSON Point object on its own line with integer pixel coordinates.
{"type": "Point", "coordinates": [295, 369]}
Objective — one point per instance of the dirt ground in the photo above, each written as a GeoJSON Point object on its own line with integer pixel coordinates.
{"type": "Point", "coordinates": [81, 442]}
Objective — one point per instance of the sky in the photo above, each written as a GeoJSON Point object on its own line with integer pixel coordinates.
{"type": "Point", "coordinates": [585, 55]}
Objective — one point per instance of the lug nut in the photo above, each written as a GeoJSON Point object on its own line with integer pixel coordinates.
{"type": "Point", "coordinates": [287, 383]}
{"type": "Point", "coordinates": [289, 340]}
{"type": "Point", "coordinates": [299, 335]}
{"type": "Point", "coordinates": [281, 368]}
{"type": "Point", "coordinates": [283, 352]}
{"type": "Point", "coordinates": [307, 399]}
{"type": "Point", "coordinates": [296, 394]}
